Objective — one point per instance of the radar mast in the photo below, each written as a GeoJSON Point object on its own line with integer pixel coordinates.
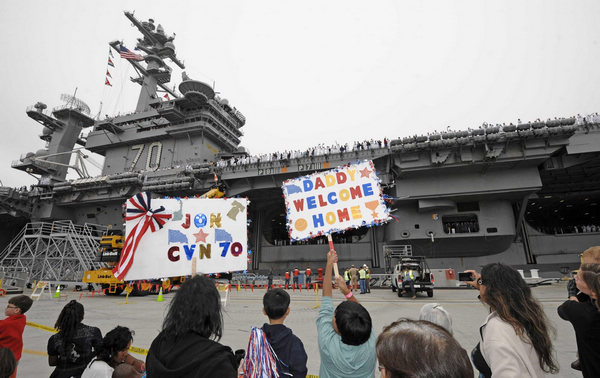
{"type": "Point", "coordinates": [158, 47]}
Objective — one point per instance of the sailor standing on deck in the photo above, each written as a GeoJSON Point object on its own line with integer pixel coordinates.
{"type": "Point", "coordinates": [296, 273]}
{"type": "Point", "coordinates": [287, 280]}
{"type": "Point", "coordinates": [270, 279]}
{"type": "Point", "coordinates": [353, 277]}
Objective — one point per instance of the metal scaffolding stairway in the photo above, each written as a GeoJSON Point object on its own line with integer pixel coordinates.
{"type": "Point", "coordinates": [58, 251]}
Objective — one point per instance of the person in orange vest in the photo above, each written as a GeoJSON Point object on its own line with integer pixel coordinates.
{"type": "Point", "coordinates": [287, 279]}
{"type": "Point", "coordinates": [307, 274]}
{"type": "Point", "coordinates": [296, 273]}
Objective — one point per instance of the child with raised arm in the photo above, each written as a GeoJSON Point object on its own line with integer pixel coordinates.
{"type": "Point", "coordinates": [346, 338]}
{"type": "Point", "coordinates": [287, 346]}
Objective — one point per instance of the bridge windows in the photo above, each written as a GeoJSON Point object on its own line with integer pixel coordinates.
{"type": "Point", "coordinates": [460, 224]}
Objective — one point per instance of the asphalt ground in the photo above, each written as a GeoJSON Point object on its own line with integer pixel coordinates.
{"type": "Point", "coordinates": [244, 309]}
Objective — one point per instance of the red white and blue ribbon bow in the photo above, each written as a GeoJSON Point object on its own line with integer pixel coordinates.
{"type": "Point", "coordinates": [139, 207]}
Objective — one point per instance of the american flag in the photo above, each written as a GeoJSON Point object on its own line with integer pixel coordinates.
{"type": "Point", "coordinates": [126, 54]}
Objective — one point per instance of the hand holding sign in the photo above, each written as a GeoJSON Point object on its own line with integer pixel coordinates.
{"type": "Point", "coordinates": [336, 272]}
{"type": "Point", "coordinates": [332, 257]}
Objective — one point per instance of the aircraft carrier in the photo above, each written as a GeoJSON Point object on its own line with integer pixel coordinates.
{"type": "Point", "coordinates": [524, 194]}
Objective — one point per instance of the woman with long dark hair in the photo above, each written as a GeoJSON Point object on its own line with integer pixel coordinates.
{"type": "Point", "coordinates": [73, 346]}
{"type": "Point", "coordinates": [515, 338]}
{"type": "Point", "coordinates": [585, 317]}
{"type": "Point", "coordinates": [112, 351]}
{"type": "Point", "coordinates": [187, 345]}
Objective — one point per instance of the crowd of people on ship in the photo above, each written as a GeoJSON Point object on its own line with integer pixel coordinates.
{"type": "Point", "coordinates": [515, 338]}
{"type": "Point", "coordinates": [319, 150]}
{"type": "Point", "coordinates": [370, 144]}
{"type": "Point", "coordinates": [326, 150]}
{"type": "Point", "coordinates": [337, 239]}
{"type": "Point", "coordinates": [323, 150]}
{"type": "Point", "coordinates": [590, 118]}
{"type": "Point", "coordinates": [569, 229]}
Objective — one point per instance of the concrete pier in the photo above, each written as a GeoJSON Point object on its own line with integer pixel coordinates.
{"type": "Point", "coordinates": [144, 315]}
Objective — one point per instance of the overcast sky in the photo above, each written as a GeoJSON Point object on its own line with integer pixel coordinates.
{"type": "Point", "coordinates": [310, 72]}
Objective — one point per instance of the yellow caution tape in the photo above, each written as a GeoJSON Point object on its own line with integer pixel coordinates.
{"type": "Point", "coordinates": [138, 350]}
{"type": "Point", "coordinates": [36, 352]}
{"type": "Point", "coordinates": [41, 326]}
{"type": "Point", "coordinates": [54, 330]}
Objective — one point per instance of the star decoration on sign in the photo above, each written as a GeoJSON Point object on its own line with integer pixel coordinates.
{"type": "Point", "coordinates": [201, 236]}
{"type": "Point", "coordinates": [365, 172]}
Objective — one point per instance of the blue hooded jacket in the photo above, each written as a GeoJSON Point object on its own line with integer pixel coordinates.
{"type": "Point", "coordinates": [289, 349]}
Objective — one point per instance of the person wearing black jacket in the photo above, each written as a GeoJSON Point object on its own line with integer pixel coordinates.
{"type": "Point", "coordinates": [187, 345]}
{"type": "Point", "coordinates": [73, 347]}
{"type": "Point", "coordinates": [585, 317]}
{"type": "Point", "coordinates": [589, 256]}
{"type": "Point", "coordinates": [287, 346]}
{"type": "Point", "coordinates": [270, 279]}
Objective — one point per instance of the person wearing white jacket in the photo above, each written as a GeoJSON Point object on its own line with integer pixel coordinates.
{"type": "Point", "coordinates": [515, 337]}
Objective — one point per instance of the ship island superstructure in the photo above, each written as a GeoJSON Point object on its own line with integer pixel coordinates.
{"type": "Point", "coordinates": [513, 193]}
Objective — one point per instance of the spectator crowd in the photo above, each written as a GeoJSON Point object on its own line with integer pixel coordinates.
{"type": "Point", "coordinates": [319, 150]}
{"type": "Point", "coordinates": [515, 338]}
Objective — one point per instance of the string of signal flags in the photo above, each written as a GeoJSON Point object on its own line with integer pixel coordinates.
{"type": "Point", "coordinates": [125, 53]}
